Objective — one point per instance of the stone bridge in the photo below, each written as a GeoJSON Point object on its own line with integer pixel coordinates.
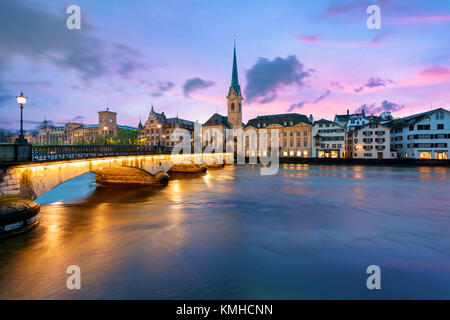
{"type": "Point", "coordinates": [33, 179]}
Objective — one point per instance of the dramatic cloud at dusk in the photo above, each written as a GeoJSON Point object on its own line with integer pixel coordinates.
{"type": "Point", "coordinates": [375, 82]}
{"type": "Point", "coordinates": [294, 106]}
{"type": "Point", "coordinates": [267, 76]}
{"type": "Point", "coordinates": [311, 57]}
{"type": "Point", "coordinates": [163, 87]}
{"type": "Point", "coordinates": [195, 84]}
{"type": "Point", "coordinates": [374, 109]}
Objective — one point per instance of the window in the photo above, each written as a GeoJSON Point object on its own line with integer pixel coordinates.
{"type": "Point", "coordinates": [440, 115]}
{"type": "Point", "coordinates": [411, 128]}
{"type": "Point", "coordinates": [240, 107]}
{"type": "Point", "coordinates": [440, 126]}
{"type": "Point", "coordinates": [423, 127]}
{"type": "Point", "coordinates": [305, 143]}
{"type": "Point", "coordinates": [232, 107]}
{"type": "Point", "coordinates": [305, 133]}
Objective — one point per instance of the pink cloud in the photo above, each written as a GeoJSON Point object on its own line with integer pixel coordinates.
{"type": "Point", "coordinates": [435, 72]}
{"type": "Point", "coordinates": [339, 44]}
{"type": "Point", "coordinates": [421, 19]}
{"type": "Point", "coordinates": [309, 39]}
{"type": "Point", "coordinates": [375, 42]}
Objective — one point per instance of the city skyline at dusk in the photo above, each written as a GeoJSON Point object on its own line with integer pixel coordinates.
{"type": "Point", "coordinates": [214, 159]}
{"type": "Point", "coordinates": [310, 58]}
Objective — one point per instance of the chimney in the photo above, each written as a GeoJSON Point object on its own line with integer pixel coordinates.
{"type": "Point", "coordinates": [311, 119]}
{"type": "Point", "coordinates": [348, 112]}
{"type": "Point", "coordinates": [363, 113]}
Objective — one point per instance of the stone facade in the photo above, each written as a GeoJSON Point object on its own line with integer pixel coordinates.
{"type": "Point", "coordinates": [34, 179]}
{"type": "Point", "coordinates": [158, 129]}
{"type": "Point", "coordinates": [372, 141]}
{"type": "Point", "coordinates": [75, 133]}
{"type": "Point", "coordinates": [295, 135]}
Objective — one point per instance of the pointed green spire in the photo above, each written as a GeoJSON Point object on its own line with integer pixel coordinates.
{"type": "Point", "coordinates": [234, 78]}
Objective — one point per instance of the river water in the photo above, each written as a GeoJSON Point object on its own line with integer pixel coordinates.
{"type": "Point", "coordinates": [308, 232]}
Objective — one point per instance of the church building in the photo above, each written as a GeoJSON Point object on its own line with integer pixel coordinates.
{"type": "Point", "coordinates": [214, 130]}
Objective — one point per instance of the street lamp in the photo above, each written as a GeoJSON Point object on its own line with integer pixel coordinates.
{"type": "Point", "coordinates": [21, 100]}
{"type": "Point", "coordinates": [159, 135]}
{"type": "Point", "coordinates": [104, 129]}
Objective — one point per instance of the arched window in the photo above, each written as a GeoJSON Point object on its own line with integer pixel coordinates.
{"type": "Point", "coordinates": [232, 107]}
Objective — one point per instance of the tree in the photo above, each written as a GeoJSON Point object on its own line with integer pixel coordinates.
{"type": "Point", "coordinates": [125, 136]}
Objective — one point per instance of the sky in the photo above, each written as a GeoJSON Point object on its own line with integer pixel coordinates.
{"type": "Point", "coordinates": [309, 57]}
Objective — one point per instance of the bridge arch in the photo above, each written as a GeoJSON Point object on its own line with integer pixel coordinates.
{"type": "Point", "coordinates": [34, 179]}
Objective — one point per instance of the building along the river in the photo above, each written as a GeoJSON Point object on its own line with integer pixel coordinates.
{"type": "Point", "coordinates": [78, 133]}
{"type": "Point", "coordinates": [295, 132]}
{"type": "Point", "coordinates": [158, 129]}
{"type": "Point", "coordinates": [328, 139]}
{"type": "Point", "coordinates": [422, 136]}
{"type": "Point", "coordinates": [215, 128]}
{"type": "Point", "coordinates": [371, 141]}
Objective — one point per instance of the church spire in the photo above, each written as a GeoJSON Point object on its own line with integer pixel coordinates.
{"type": "Point", "coordinates": [234, 77]}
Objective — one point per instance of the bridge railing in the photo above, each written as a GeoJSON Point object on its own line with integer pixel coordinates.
{"type": "Point", "coordinates": [66, 152]}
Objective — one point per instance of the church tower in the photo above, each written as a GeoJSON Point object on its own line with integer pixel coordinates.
{"type": "Point", "coordinates": [234, 97]}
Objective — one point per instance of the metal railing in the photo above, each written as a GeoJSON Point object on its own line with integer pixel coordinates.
{"type": "Point", "coordinates": [67, 152]}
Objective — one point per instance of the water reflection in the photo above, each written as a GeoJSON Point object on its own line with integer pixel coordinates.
{"type": "Point", "coordinates": [232, 233]}
{"type": "Point", "coordinates": [122, 194]}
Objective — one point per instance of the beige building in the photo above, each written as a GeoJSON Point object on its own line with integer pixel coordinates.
{"type": "Point", "coordinates": [294, 135]}
{"type": "Point", "coordinates": [371, 141]}
{"type": "Point", "coordinates": [158, 129]}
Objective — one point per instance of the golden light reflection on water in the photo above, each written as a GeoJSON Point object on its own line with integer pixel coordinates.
{"type": "Point", "coordinates": [154, 234]}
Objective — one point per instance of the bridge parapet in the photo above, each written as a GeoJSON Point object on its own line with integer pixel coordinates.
{"type": "Point", "coordinates": [67, 152]}
{"type": "Point", "coordinates": [33, 179]}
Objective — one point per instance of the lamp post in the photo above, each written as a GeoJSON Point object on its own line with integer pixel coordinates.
{"type": "Point", "coordinates": [104, 129]}
{"type": "Point", "coordinates": [21, 100]}
{"type": "Point", "coordinates": [159, 135]}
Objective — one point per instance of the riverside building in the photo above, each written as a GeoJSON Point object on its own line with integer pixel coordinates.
{"type": "Point", "coordinates": [422, 136]}
{"type": "Point", "coordinates": [328, 139]}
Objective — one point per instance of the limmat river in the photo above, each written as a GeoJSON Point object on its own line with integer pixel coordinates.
{"type": "Point", "coordinates": [309, 232]}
